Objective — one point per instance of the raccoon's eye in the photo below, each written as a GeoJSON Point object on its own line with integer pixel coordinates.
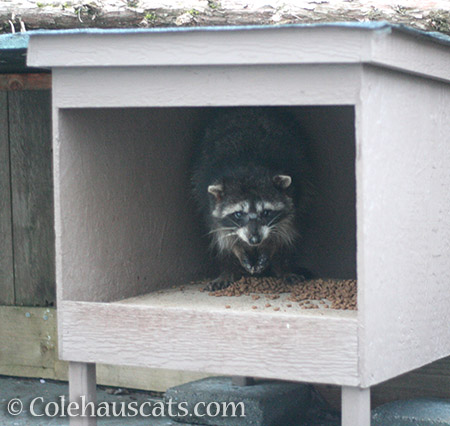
{"type": "Point", "coordinates": [237, 215]}
{"type": "Point", "coordinates": [267, 213]}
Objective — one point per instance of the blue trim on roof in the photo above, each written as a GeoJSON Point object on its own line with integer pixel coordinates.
{"type": "Point", "coordinates": [14, 41]}
{"type": "Point", "coordinates": [20, 40]}
{"type": "Point", "coordinates": [431, 35]}
{"type": "Point", "coordinates": [364, 25]}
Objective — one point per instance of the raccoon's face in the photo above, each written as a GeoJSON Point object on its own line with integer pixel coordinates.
{"type": "Point", "coordinates": [252, 215]}
{"type": "Point", "coordinates": [253, 221]}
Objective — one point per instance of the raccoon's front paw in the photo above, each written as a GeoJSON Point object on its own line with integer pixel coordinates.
{"type": "Point", "coordinates": [247, 264]}
{"type": "Point", "coordinates": [262, 263]}
{"type": "Point", "coordinates": [298, 275]}
{"type": "Point", "coordinates": [295, 275]}
{"type": "Point", "coordinates": [219, 283]}
{"type": "Point", "coordinates": [293, 278]}
{"type": "Point", "coordinates": [255, 268]}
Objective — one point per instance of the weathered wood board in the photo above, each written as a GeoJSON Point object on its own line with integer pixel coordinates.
{"type": "Point", "coordinates": [211, 340]}
{"type": "Point", "coordinates": [32, 197]}
{"type": "Point", "coordinates": [6, 255]}
{"type": "Point", "coordinates": [28, 341]}
{"type": "Point", "coordinates": [36, 81]}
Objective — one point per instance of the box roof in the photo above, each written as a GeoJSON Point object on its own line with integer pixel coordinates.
{"type": "Point", "coordinates": [51, 48]}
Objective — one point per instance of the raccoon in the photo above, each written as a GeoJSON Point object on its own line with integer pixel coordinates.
{"type": "Point", "coordinates": [251, 179]}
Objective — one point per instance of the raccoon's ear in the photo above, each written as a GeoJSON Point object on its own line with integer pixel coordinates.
{"type": "Point", "coordinates": [282, 181]}
{"type": "Point", "coordinates": [216, 190]}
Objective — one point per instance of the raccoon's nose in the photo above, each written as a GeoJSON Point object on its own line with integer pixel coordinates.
{"type": "Point", "coordinates": [255, 239]}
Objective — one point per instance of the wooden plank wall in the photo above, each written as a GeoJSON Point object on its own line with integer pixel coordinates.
{"type": "Point", "coordinates": [6, 256]}
{"type": "Point", "coordinates": [32, 197]}
{"type": "Point", "coordinates": [27, 274]}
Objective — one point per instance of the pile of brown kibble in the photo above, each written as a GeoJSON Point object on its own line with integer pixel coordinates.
{"type": "Point", "coordinates": [339, 294]}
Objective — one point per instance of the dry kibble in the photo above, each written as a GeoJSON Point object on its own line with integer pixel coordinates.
{"type": "Point", "coordinates": [276, 309]}
{"type": "Point", "coordinates": [227, 306]}
{"type": "Point", "coordinates": [254, 307]}
{"type": "Point", "coordinates": [273, 296]}
{"type": "Point", "coordinates": [339, 294]}
{"type": "Point", "coordinates": [268, 305]}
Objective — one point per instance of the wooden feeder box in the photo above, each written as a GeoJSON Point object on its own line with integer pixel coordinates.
{"type": "Point", "coordinates": [127, 108]}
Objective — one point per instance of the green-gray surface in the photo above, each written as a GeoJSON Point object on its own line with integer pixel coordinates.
{"type": "Point", "coordinates": [266, 403]}
{"type": "Point", "coordinates": [415, 412]}
{"type": "Point", "coordinates": [28, 389]}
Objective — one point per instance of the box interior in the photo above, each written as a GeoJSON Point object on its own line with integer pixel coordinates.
{"type": "Point", "coordinates": [129, 225]}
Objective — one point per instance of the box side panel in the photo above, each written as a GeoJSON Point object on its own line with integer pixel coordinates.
{"type": "Point", "coordinates": [403, 223]}
{"type": "Point", "coordinates": [419, 56]}
{"type": "Point", "coordinates": [126, 208]}
{"type": "Point", "coordinates": [206, 86]}
{"type": "Point", "coordinates": [291, 347]}
{"type": "Point", "coordinates": [328, 243]}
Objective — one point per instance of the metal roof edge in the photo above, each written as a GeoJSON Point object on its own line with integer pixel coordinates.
{"type": "Point", "coordinates": [373, 25]}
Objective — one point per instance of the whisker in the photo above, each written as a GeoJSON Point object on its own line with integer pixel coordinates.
{"type": "Point", "coordinates": [222, 241]}
{"type": "Point", "coordinates": [227, 228]}
{"type": "Point", "coordinates": [274, 219]}
{"type": "Point", "coordinates": [234, 222]}
{"type": "Point", "coordinates": [287, 236]}
{"type": "Point", "coordinates": [234, 243]}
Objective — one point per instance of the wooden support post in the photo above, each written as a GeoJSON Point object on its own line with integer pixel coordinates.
{"type": "Point", "coordinates": [82, 386]}
{"type": "Point", "coordinates": [355, 406]}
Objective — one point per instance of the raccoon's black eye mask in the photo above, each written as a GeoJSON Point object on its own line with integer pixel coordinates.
{"type": "Point", "coordinates": [239, 218]}
{"type": "Point", "coordinates": [242, 217]}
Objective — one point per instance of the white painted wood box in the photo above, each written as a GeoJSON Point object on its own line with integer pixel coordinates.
{"type": "Point", "coordinates": [127, 106]}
